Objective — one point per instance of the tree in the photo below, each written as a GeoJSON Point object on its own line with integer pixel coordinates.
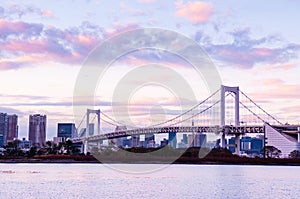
{"type": "Point", "coordinates": [32, 151]}
{"type": "Point", "coordinates": [294, 154]}
{"type": "Point", "coordinates": [68, 146]}
{"type": "Point", "coordinates": [49, 147]}
{"type": "Point", "coordinates": [272, 152]}
{"type": "Point", "coordinates": [13, 149]}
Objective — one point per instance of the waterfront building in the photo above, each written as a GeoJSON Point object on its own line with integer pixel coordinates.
{"type": "Point", "coordinates": [8, 128]}
{"type": "Point", "coordinates": [251, 146]}
{"type": "Point", "coordinates": [283, 141]}
{"type": "Point", "coordinates": [66, 130]}
{"type": "Point", "coordinates": [37, 129]}
{"type": "Point", "coordinates": [12, 128]}
{"type": "Point", "coordinates": [3, 128]}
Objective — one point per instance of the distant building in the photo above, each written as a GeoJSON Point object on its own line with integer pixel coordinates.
{"type": "Point", "coordinates": [231, 142]}
{"type": "Point", "coordinates": [190, 140]}
{"type": "Point", "coordinates": [3, 128]}
{"type": "Point", "coordinates": [197, 140]}
{"type": "Point", "coordinates": [24, 144]}
{"type": "Point", "coordinates": [37, 129]}
{"type": "Point", "coordinates": [172, 139]}
{"type": "Point", "coordinates": [135, 141]}
{"type": "Point", "coordinates": [66, 130]}
{"type": "Point", "coordinates": [149, 141]}
{"type": "Point", "coordinates": [12, 128]}
{"type": "Point", "coordinates": [121, 141]}
{"type": "Point", "coordinates": [257, 145]}
{"type": "Point", "coordinates": [57, 140]}
{"type": "Point", "coordinates": [248, 145]}
{"type": "Point", "coordinates": [200, 140]}
{"type": "Point", "coordinates": [245, 144]}
{"type": "Point", "coordinates": [8, 128]}
{"type": "Point", "coordinates": [184, 139]}
{"type": "Point", "coordinates": [164, 142]}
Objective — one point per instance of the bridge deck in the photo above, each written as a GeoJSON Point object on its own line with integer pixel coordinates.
{"type": "Point", "coordinates": [177, 129]}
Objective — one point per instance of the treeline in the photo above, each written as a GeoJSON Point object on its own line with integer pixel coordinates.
{"type": "Point", "coordinates": [13, 149]}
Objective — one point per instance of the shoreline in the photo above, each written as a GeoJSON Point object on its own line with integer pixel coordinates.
{"type": "Point", "coordinates": [190, 161]}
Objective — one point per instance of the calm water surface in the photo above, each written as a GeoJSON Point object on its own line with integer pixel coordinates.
{"type": "Point", "coordinates": [173, 181]}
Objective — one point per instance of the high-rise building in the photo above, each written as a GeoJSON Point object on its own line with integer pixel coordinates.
{"type": "Point", "coordinates": [172, 140]}
{"type": "Point", "coordinates": [200, 139]}
{"type": "Point", "coordinates": [66, 130]}
{"type": "Point", "coordinates": [149, 140]}
{"type": "Point", "coordinates": [197, 140]}
{"type": "Point", "coordinates": [12, 128]}
{"type": "Point", "coordinates": [37, 129]}
{"type": "Point", "coordinates": [3, 128]}
{"type": "Point", "coordinates": [184, 138]}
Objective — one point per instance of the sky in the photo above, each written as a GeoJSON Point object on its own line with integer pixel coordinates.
{"type": "Point", "coordinates": [43, 45]}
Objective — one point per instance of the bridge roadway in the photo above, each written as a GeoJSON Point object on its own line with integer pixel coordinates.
{"type": "Point", "coordinates": [228, 129]}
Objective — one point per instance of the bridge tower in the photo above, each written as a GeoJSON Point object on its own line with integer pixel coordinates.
{"type": "Point", "coordinates": [235, 91]}
{"type": "Point", "coordinates": [88, 112]}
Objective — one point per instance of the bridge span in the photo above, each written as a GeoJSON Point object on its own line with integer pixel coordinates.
{"type": "Point", "coordinates": [227, 129]}
{"type": "Point", "coordinates": [237, 115]}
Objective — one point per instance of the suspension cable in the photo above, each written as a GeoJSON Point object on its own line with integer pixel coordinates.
{"type": "Point", "coordinates": [253, 112]}
{"type": "Point", "coordinates": [81, 121]}
{"type": "Point", "coordinates": [197, 113]}
{"type": "Point", "coordinates": [261, 108]}
{"type": "Point", "coordinates": [194, 107]}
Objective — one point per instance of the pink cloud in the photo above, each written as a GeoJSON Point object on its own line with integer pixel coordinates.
{"type": "Point", "coordinates": [262, 52]}
{"type": "Point", "coordinates": [47, 13]}
{"type": "Point", "coordinates": [284, 67]}
{"type": "Point", "coordinates": [272, 82]}
{"type": "Point", "coordinates": [146, 1]}
{"type": "Point", "coordinates": [18, 28]}
{"type": "Point", "coordinates": [274, 88]}
{"type": "Point", "coordinates": [49, 44]}
{"type": "Point", "coordinates": [196, 12]}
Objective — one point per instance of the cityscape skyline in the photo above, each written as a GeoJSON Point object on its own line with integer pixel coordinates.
{"type": "Point", "coordinates": [43, 48]}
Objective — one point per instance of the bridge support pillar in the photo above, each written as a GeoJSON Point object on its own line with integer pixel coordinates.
{"type": "Point", "coordinates": [85, 147]}
{"type": "Point", "coordinates": [298, 129]}
{"type": "Point", "coordinates": [237, 144]}
{"type": "Point", "coordinates": [99, 145]}
{"type": "Point", "coordinates": [223, 141]}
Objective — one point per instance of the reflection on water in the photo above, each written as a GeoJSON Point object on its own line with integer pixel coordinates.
{"type": "Point", "coordinates": [174, 181]}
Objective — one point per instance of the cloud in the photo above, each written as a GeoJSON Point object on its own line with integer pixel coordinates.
{"type": "Point", "coordinates": [197, 12]}
{"type": "Point", "coordinates": [47, 13]}
{"type": "Point", "coordinates": [17, 11]}
{"type": "Point", "coordinates": [245, 52]}
{"type": "Point", "coordinates": [275, 88]}
{"type": "Point", "coordinates": [146, 1]}
{"type": "Point", "coordinates": [22, 43]}
{"type": "Point", "coordinates": [19, 29]}
{"type": "Point", "coordinates": [10, 111]}
{"type": "Point", "coordinates": [283, 67]}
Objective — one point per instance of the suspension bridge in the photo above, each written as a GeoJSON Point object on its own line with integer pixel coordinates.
{"type": "Point", "coordinates": [227, 111]}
